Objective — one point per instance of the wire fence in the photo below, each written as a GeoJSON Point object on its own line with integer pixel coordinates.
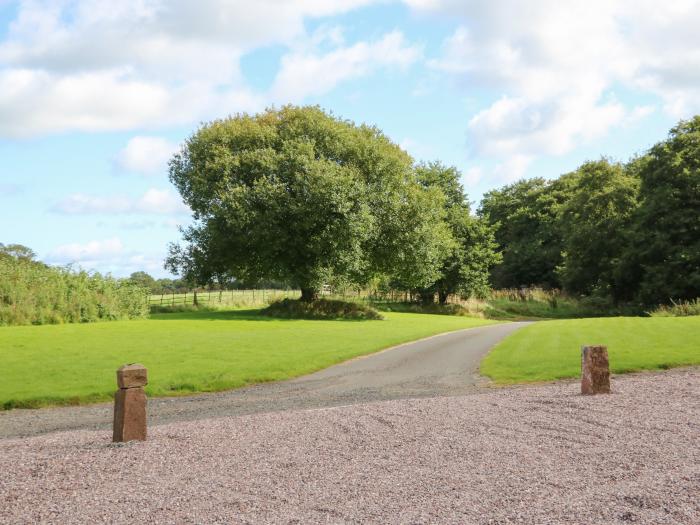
{"type": "Point", "coordinates": [259, 296]}
{"type": "Point", "coordinates": [223, 297]}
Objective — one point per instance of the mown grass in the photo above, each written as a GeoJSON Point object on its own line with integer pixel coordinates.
{"type": "Point", "coordinates": [551, 350]}
{"type": "Point", "coordinates": [190, 352]}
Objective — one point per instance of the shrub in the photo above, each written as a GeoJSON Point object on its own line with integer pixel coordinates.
{"type": "Point", "coordinates": [682, 309]}
{"type": "Point", "coordinates": [34, 293]}
{"type": "Point", "coordinates": [530, 303]}
{"type": "Point", "coordinates": [434, 308]}
{"type": "Point", "coordinates": [320, 309]}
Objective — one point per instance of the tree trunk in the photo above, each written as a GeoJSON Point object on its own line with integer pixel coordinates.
{"type": "Point", "coordinates": [427, 297]}
{"type": "Point", "coordinates": [309, 294]}
{"type": "Point", "coordinates": [195, 302]}
{"type": "Point", "coordinates": [442, 296]}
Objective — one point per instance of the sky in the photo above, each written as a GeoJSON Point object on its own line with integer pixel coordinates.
{"type": "Point", "coordinates": [96, 95]}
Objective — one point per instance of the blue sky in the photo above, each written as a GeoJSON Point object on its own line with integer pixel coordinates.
{"type": "Point", "coordinates": [95, 96]}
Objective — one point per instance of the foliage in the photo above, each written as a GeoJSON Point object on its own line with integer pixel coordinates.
{"type": "Point", "coordinates": [432, 308]}
{"type": "Point", "coordinates": [662, 261]}
{"type": "Point", "coordinates": [190, 352]}
{"type": "Point", "coordinates": [525, 216]}
{"type": "Point", "coordinates": [594, 223]}
{"type": "Point", "coordinates": [465, 267]}
{"type": "Point", "coordinates": [519, 304]}
{"type": "Point", "coordinates": [143, 280]}
{"type": "Point", "coordinates": [34, 293]}
{"type": "Point", "coordinates": [17, 251]}
{"type": "Point", "coordinates": [321, 309]}
{"type": "Point", "coordinates": [677, 309]}
{"type": "Point", "coordinates": [550, 350]}
{"type": "Point", "coordinates": [300, 196]}
{"type": "Point", "coordinates": [628, 234]}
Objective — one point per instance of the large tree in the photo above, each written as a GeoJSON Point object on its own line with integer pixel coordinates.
{"type": "Point", "coordinates": [465, 268]}
{"type": "Point", "coordinates": [300, 196]}
{"type": "Point", "coordinates": [662, 261]}
{"type": "Point", "coordinates": [594, 225]}
{"type": "Point", "coordinates": [525, 215]}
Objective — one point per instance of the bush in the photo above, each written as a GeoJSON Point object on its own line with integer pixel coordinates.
{"type": "Point", "coordinates": [434, 308]}
{"type": "Point", "coordinates": [34, 293]}
{"type": "Point", "coordinates": [682, 309]}
{"type": "Point", "coordinates": [535, 303]}
{"type": "Point", "coordinates": [320, 309]}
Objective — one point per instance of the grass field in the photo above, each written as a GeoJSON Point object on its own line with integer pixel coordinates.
{"type": "Point", "coordinates": [189, 352]}
{"type": "Point", "coordinates": [550, 350]}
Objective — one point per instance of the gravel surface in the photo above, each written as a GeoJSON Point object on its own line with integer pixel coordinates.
{"type": "Point", "coordinates": [540, 455]}
{"type": "Point", "coordinates": [445, 364]}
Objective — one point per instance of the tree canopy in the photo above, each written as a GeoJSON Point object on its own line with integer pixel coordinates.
{"type": "Point", "coordinates": [662, 260]}
{"type": "Point", "coordinates": [465, 267]}
{"type": "Point", "coordinates": [525, 217]}
{"type": "Point", "coordinates": [594, 223]}
{"type": "Point", "coordinates": [624, 232]}
{"type": "Point", "coordinates": [301, 196]}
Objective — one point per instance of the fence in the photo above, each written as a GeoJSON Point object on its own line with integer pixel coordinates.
{"type": "Point", "coordinates": [265, 296]}
{"type": "Point", "coordinates": [223, 297]}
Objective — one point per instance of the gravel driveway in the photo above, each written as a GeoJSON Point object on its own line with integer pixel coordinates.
{"type": "Point", "coordinates": [540, 455]}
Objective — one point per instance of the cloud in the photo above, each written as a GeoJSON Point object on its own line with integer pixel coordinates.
{"type": "Point", "coordinates": [304, 73]}
{"type": "Point", "coordinates": [101, 65]}
{"type": "Point", "coordinates": [108, 255]}
{"type": "Point", "coordinates": [153, 201]}
{"type": "Point", "coordinates": [555, 66]}
{"type": "Point", "coordinates": [146, 155]}
{"type": "Point", "coordinates": [91, 251]}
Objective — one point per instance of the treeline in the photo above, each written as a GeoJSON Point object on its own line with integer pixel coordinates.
{"type": "Point", "coordinates": [623, 232]}
{"type": "Point", "coordinates": [169, 286]}
{"type": "Point", "coordinates": [299, 196]}
{"type": "Point", "coordinates": [33, 293]}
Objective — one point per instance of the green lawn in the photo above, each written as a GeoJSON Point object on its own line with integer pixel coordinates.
{"type": "Point", "coordinates": [189, 352]}
{"type": "Point", "coordinates": [550, 350]}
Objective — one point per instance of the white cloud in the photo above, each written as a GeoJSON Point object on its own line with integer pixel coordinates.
{"type": "Point", "coordinates": [91, 251]}
{"type": "Point", "coordinates": [554, 67]}
{"type": "Point", "coordinates": [153, 201]}
{"type": "Point", "coordinates": [100, 65]}
{"type": "Point", "coordinates": [109, 255]}
{"type": "Point", "coordinates": [146, 155]}
{"type": "Point", "coordinates": [304, 73]}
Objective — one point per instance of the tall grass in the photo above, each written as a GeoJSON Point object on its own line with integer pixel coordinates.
{"type": "Point", "coordinates": [33, 293]}
{"type": "Point", "coordinates": [536, 303]}
{"type": "Point", "coordinates": [681, 309]}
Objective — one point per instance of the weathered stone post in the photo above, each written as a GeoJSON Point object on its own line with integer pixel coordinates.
{"type": "Point", "coordinates": [130, 404]}
{"type": "Point", "coordinates": [595, 370]}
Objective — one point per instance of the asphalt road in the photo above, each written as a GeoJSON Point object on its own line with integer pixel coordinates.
{"type": "Point", "coordinates": [442, 365]}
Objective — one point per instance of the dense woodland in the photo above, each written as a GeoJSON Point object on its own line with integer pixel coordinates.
{"type": "Point", "coordinates": [623, 232]}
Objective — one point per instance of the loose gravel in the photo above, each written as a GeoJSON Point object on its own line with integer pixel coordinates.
{"type": "Point", "coordinates": [520, 455]}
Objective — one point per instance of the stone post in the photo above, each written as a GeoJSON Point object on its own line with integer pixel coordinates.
{"type": "Point", "coordinates": [595, 370]}
{"type": "Point", "coordinates": [130, 404]}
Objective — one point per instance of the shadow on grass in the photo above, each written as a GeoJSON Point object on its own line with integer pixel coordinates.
{"type": "Point", "coordinates": [252, 314]}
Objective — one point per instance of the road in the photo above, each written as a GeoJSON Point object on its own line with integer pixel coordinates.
{"type": "Point", "coordinates": [441, 365]}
